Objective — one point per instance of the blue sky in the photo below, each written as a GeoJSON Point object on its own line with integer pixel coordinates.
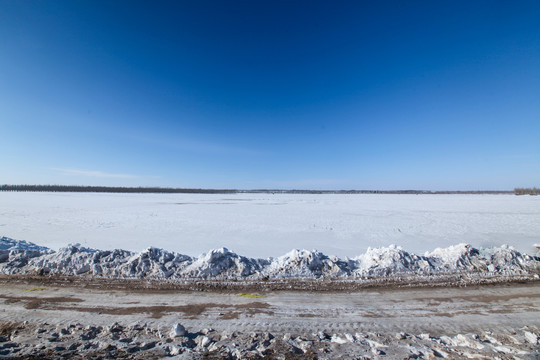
{"type": "Point", "coordinates": [271, 94]}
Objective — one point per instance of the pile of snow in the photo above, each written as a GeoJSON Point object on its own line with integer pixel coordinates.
{"type": "Point", "coordinates": [152, 263]}
{"type": "Point", "coordinates": [304, 263]}
{"type": "Point", "coordinates": [11, 244]}
{"type": "Point", "coordinates": [389, 260]}
{"type": "Point", "coordinates": [223, 263]}
{"type": "Point", "coordinates": [506, 259]}
{"type": "Point", "coordinates": [21, 257]}
{"type": "Point", "coordinates": [17, 253]}
{"type": "Point", "coordinates": [454, 258]}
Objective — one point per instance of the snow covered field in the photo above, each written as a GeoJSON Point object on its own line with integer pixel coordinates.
{"type": "Point", "coordinates": [329, 315]}
{"type": "Point", "coordinates": [263, 225]}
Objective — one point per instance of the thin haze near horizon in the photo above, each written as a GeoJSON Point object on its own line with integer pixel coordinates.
{"type": "Point", "coordinates": [440, 95]}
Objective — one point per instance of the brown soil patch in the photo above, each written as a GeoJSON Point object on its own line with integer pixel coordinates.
{"type": "Point", "coordinates": [231, 315]}
{"type": "Point", "coordinates": [192, 310]}
{"type": "Point", "coordinates": [6, 328]}
{"type": "Point", "coordinates": [54, 299]}
{"type": "Point", "coordinates": [155, 311]}
{"type": "Point", "coordinates": [307, 315]}
{"type": "Point", "coordinates": [38, 302]}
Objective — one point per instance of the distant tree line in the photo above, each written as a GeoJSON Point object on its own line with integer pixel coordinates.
{"type": "Point", "coordinates": [527, 191]}
{"type": "Point", "coordinates": [160, 190]}
{"type": "Point", "coordinates": [110, 189]}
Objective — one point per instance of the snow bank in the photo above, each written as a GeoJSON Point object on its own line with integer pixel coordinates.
{"type": "Point", "coordinates": [21, 257]}
{"type": "Point", "coordinates": [304, 263]}
{"type": "Point", "coordinates": [11, 244]}
{"type": "Point", "coordinates": [17, 253]}
{"type": "Point", "coordinates": [389, 260]}
{"type": "Point", "coordinates": [222, 263]}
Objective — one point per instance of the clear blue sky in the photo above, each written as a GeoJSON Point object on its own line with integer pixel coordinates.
{"type": "Point", "coordinates": [271, 94]}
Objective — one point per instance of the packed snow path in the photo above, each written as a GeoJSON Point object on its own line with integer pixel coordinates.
{"type": "Point", "coordinates": [489, 322]}
{"type": "Point", "coordinates": [436, 311]}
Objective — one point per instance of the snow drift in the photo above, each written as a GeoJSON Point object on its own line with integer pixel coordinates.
{"type": "Point", "coordinates": [21, 257]}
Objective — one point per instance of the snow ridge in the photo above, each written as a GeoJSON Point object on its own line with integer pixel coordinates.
{"type": "Point", "coordinates": [389, 260]}
{"type": "Point", "coordinates": [304, 263]}
{"type": "Point", "coordinates": [11, 244]}
{"type": "Point", "coordinates": [17, 253]}
{"type": "Point", "coordinates": [21, 257]}
{"type": "Point", "coordinates": [223, 264]}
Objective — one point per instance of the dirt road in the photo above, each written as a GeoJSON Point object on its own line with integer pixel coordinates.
{"type": "Point", "coordinates": [438, 312]}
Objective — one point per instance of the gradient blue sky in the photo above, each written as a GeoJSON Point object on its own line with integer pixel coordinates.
{"type": "Point", "coordinates": [271, 94]}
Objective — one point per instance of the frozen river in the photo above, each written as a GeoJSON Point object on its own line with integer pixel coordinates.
{"type": "Point", "coordinates": [262, 225]}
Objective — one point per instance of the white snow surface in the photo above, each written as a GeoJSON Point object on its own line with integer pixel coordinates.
{"type": "Point", "coordinates": [21, 257]}
{"type": "Point", "coordinates": [262, 225]}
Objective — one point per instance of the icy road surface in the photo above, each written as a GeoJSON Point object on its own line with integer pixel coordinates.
{"type": "Point", "coordinates": [437, 310]}
{"type": "Point", "coordinates": [52, 321]}
{"type": "Point", "coordinates": [262, 225]}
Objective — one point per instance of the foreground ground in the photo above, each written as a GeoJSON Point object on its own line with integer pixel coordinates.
{"type": "Point", "coordinates": [56, 320]}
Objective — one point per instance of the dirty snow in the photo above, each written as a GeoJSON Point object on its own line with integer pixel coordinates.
{"type": "Point", "coordinates": [494, 322]}
{"type": "Point", "coordinates": [20, 257]}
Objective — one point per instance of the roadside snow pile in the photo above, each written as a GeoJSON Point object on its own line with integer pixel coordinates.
{"type": "Point", "coordinates": [17, 253]}
{"type": "Point", "coordinates": [11, 244]}
{"type": "Point", "coordinates": [223, 263]}
{"type": "Point", "coordinates": [455, 258]}
{"type": "Point", "coordinates": [304, 263]}
{"type": "Point", "coordinates": [150, 263]}
{"type": "Point", "coordinates": [21, 257]}
{"type": "Point", "coordinates": [387, 261]}
{"type": "Point", "coordinates": [505, 259]}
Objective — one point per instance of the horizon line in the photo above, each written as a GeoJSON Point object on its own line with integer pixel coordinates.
{"type": "Point", "coordinates": [159, 189]}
